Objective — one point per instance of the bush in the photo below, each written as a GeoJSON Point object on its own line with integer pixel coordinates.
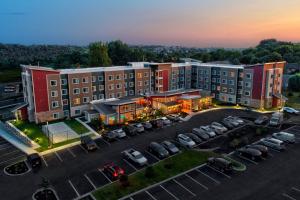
{"type": "Point", "coordinates": [124, 180]}
{"type": "Point", "coordinates": [149, 172]}
{"type": "Point", "coordinates": [235, 143]}
{"type": "Point", "coordinates": [290, 94]}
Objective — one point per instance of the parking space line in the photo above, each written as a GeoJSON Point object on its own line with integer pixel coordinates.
{"type": "Point", "coordinates": [131, 165]}
{"type": "Point", "coordinates": [168, 192]}
{"type": "Point", "coordinates": [150, 195]}
{"type": "Point", "coordinates": [77, 193]}
{"type": "Point", "coordinates": [296, 189]}
{"type": "Point", "coordinates": [227, 176]}
{"type": "Point", "coordinates": [248, 159]}
{"type": "Point", "coordinates": [83, 149]}
{"type": "Point", "coordinates": [131, 198]}
{"type": "Point", "coordinates": [71, 152]}
{"type": "Point", "coordinates": [211, 178]}
{"type": "Point", "coordinates": [90, 181]}
{"type": "Point", "coordinates": [104, 175]}
{"type": "Point", "coordinates": [105, 141]}
{"type": "Point", "coordinates": [58, 156]}
{"type": "Point", "coordinates": [196, 181]}
{"type": "Point", "coordinates": [288, 196]}
{"type": "Point", "coordinates": [153, 156]}
{"type": "Point", "coordinates": [44, 161]}
{"type": "Point", "coordinates": [189, 191]}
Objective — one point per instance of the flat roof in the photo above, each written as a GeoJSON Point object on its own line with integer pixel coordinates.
{"type": "Point", "coordinates": [174, 92]}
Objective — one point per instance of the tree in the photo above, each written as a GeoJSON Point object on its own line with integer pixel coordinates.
{"type": "Point", "coordinates": [98, 54]}
{"type": "Point", "coordinates": [294, 83]}
{"type": "Point", "coordinates": [119, 52]}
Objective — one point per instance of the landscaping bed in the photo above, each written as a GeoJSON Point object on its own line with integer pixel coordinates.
{"type": "Point", "coordinates": [17, 168]}
{"type": "Point", "coordinates": [45, 194]}
{"type": "Point", "coordinates": [237, 166]}
{"type": "Point", "coordinates": [76, 126]}
{"type": "Point", "coordinates": [154, 174]}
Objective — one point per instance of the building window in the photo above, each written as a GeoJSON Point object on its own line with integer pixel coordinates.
{"type": "Point", "coordinates": [64, 91]}
{"type": "Point", "coordinates": [118, 77]}
{"type": "Point", "coordinates": [218, 80]}
{"type": "Point", "coordinates": [125, 85]}
{"type": "Point", "coordinates": [247, 84]}
{"type": "Point", "coordinates": [240, 91]}
{"type": "Point", "coordinates": [213, 80]}
{"type": "Point", "coordinates": [214, 72]}
{"type": "Point", "coordinates": [75, 81]}
{"type": "Point", "coordinates": [94, 88]}
{"type": "Point", "coordinates": [230, 82]}
{"type": "Point", "coordinates": [101, 87]}
{"type": "Point", "coordinates": [101, 96]}
{"type": "Point", "coordinates": [53, 83]}
{"type": "Point", "coordinates": [76, 91]}
{"type": "Point", "coordinates": [125, 76]}
{"type": "Point", "coordinates": [54, 93]}
{"type": "Point", "coordinates": [224, 73]}
{"type": "Point", "coordinates": [231, 74]}
{"type": "Point", "coordinates": [54, 104]}
{"type": "Point", "coordinates": [100, 78]}
{"type": "Point", "coordinates": [55, 115]}
{"type": "Point", "coordinates": [85, 90]}
{"type": "Point", "coordinates": [110, 77]}
{"type": "Point", "coordinates": [119, 95]}
{"type": "Point", "coordinates": [224, 81]}
{"type": "Point", "coordinates": [76, 101]}
{"type": "Point", "coordinates": [126, 93]}
{"type": "Point", "coordinates": [139, 75]}
{"type": "Point", "coordinates": [131, 92]}
{"type": "Point", "coordinates": [94, 97]}
{"type": "Point", "coordinates": [85, 80]}
{"type": "Point", "coordinates": [224, 89]}
{"type": "Point", "coordinates": [248, 75]}
{"type": "Point", "coordinates": [65, 102]}
{"type": "Point", "coordinates": [111, 87]}
{"type": "Point", "coordinates": [247, 93]}
{"type": "Point", "coordinates": [131, 84]}
{"type": "Point", "coordinates": [213, 87]}
{"type": "Point", "coordinates": [246, 102]}
{"type": "Point", "coordinates": [140, 83]}
{"type": "Point", "coordinates": [241, 75]}
{"type": "Point", "coordinates": [146, 83]}
{"type": "Point", "coordinates": [146, 74]}
{"type": "Point", "coordinates": [112, 95]}
{"type": "Point", "coordinates": [93, 79]}
{"type": "Point", "coordinates": [240, 83]}
{"type": "Point", "coordinates": [231, 90]}
{"type": "Point", "coordinates": [63, 81]}
{"type": "Point", "coordinates": [131, 75]}
{"type": "Point", "coordinates": [77, 112]}
{"type": "Point", "coordinates": [86, 99]}
{"type": "Point", "coordinates": [119, 86]}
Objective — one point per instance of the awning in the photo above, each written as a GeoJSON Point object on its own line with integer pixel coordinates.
{"type": "Point", "coordinates": [18, 107]}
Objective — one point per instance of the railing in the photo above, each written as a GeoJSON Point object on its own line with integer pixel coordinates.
{"type": "Point", "coordinates": [16, 133]}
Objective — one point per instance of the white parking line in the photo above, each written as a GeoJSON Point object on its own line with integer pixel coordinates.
{"type": "Point", "coordinates": [58, 156]}
{"type": "Point", "coordinates": [71, 152]}
{"type": "Point", "coordinates": [288, 196]}
{"type": "Point", "coordinates": [248, 159]}
{"type": "Point", "coordinates": [44, 161]}
{"type": "Point", "coordinates": [131, 198]}
{"type": "Point", "coordinates": [189, 191]}
{"type": "Point", "coordinates": [77, 193]}
{"type": "Point", "coordinates": [169, 192]}
{"type": "Point", "coordinates": [196, 181]}
{"type": "Point", "coordinates": [11, 152]}
{"type": "Point", "coordinates": [153, 156]}
{"type": "Point", "coordinates": [211, 178]}
{"type": "Point", "coordinates": [104, 175]}
{"type": "Point", "coordinates": [14, 158]}
{"type": "Point", "coordinates": [150, 195]}
{"type": "Point", "coordinates": [83, 149]}
{"type": "Point", "coordinates": [227, 176]}
{"type": "Point", "coordinates": [131, 165]}
{"type": "Point", "coordinates": [90, 181]}
{"type": "Point", "coordinates": [105, 141]}
{"type": "Point", "coordinates": [296, 189]}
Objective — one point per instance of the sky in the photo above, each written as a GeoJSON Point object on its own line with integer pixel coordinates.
{"type": "Point", "coordinates": [192, 23]}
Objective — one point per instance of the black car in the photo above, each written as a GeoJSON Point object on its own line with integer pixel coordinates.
{"type": "Point", "coordinates": [263, 149]}
{"type": "Point", "coordinates": [261, 120]}
{"type": "Point", "coordinates": [34, 160]}
{"type": "Point", "coordinates": [109, 136]}
{"type": "Point", "coordinates": [170, 147]}
{"type": "Point", "coordinates": [147, 125]}
{"type": "Point", "coordinates": [130, 130]}
{"type": "Point", "coordinates": [194, 137]}
{"type": "Point", "coordinates": [173, 117]}
{"type": "Point", "coordinates": [250, 153]}
{"type": "Point", "coordinates": [201, 134]}
{"type": "Point", "coordinates": [220, 164]}
{"type": "Point", "coordinates": [158, 150]}
{"type": "Point", "coordinates": [157, 123]}
{"type": "Point", "coordinates": [88, 143]}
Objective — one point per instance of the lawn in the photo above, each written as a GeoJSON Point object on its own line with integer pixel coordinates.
{"type": "Point", "coordinates": [294, 101]}
{"type": "Point", "coordinates": [161, 170]}
{"type": "Point", "coordinates": [76, 126]}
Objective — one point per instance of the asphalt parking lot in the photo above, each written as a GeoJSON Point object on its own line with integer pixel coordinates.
{"type": "Point", "coordinates": [74, 172]}
{"type": "Point", "coordinates": [275, 177]}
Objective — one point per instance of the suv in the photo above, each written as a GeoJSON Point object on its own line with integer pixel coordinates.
{"type": "Point", "coordinates": [109, 136]}
{"type": "Point", "coordinates": [34, 160]}
{"type": "Point", "coordinates": [135, 156]}
{"type": "Point", "coordinates": [130, 130]}
{"type": "Point", "coordinates": [88, 143]}
{"type": "Point", "coordinates": [119, 133]}
{"type": "Point", "coordinates": [113, 171]}
{"type": "Point", "coordinates": [220, 164]}
{"type": "Point", "coordinates": [208, 131]}
{"type": "Point", "coordinates": [139, 127]}
{"type": "Point", "coordinates": [185, 141]}
{"type": "Point", "coordinates": [285, 137]}
{"type": "Point", "coordinates": [273, 143]}
{"type": "Point", "coordinates": [158, 150]}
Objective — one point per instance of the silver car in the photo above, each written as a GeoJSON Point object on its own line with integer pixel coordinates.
{"type": "Point", "coordinates": [185, 141]}
{"type": "Point", "coordinates": [135, 156]}
{"type": "Point", "coordinates": [139, 127]}
{"type": "Point", "coordinates": [273, 143]}
{"type": "Point", "coordinates": [120, 133]}
{"type": "Point", "coordinates": [208, 130]}
{"type": "Point", "coordinates": [284, 136]}
{"type": "Point", "coordinates": [219, 126]}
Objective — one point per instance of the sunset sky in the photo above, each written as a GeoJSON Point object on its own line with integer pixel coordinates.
{"type": "Point", "coordinates": [198, 23]}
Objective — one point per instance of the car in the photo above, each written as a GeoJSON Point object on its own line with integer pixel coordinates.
{"type": "Point", "coordinates": [158, 150]}
{"type": "Point", "coordinates": [227, 124]}
{"type": "Point", "coordinates": [34, 160]}
{"type": "Point", "coordinates": [194, 137]}
{"type": "Point", "coordinates": [273, 143]}
{"type": "Point", "coordinates": [113, 171]}
{"type": "Point", "coordinates": [217, 125]}
{"type": "Point", "coordinates": [88, 143]}
{"type": "Point", "coordinates": [201, 133]}
{"type": "Point", "coordinates": [185, 141]}
{"type": "Point", "coordinates": [263, 149]}
{"type": "Point", "coordinates": [261, 120]}
{"type": "Point", "coordinates": [166, 121]}
{"type": "Point", "coordinates": [237, 119]}
{"type": "Point", "coordinates": [216, 130]}
{"type": "Point", "coordinates": [139, 127]}
{"type": "Point", "coordinates": [276, 119]}
{"type": "Point", "coordinates": [208, 130]}
{"type": "Point", "coordinates": [157, 123]}
{"type": "Point", "coordinates": [130, 130]}
{"type": "Point", "coordinates": [173, 117]}
{"type": "Point", "coordinates": [290, 110]}
{"type": "Point", "coordinates": [170, 147]}
{"type": "Point", "coordinates": [135, 156]}
{"type": "Point", "coordinates": [119, 133]}
{"type": "Point", "coordinates": [233, 121]}
{"type": "Point", "coordinates": [220, 164]}
{"type": "Point", "coordinates": [147, 125]}
{"type": "Point", "coordinates": [285, 137]}
{"type": "Point", "coordinates": [109, 136]}
{"type": "Point", "coordinates": [250, 153]}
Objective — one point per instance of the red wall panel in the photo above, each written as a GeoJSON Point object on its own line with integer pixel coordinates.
{"type": "Point", "coordinates": [165, 80]}
{"type": "Point", "coordinates": [257, 88]}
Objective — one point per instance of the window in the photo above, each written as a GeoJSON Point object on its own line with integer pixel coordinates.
{"type": "Point", "coordinates": [131, 75]}
{"type": "Point", "coordinates": [146, 83]}
{"type": "Point", "coordinates": [119, 86]}
{"type": "Point", "coordinates": [214, 72]}
{"type": "Point", "coordinates": [111, 87]}
{"type": "Point", "coordinates": [131, 92]}
{"type": "Point", "coordinates": [75, 81]}
{"type": "Point", "coordinates": [76, 91]}
{"type": "Point", "coordinates": [213, 87]}
{"type": "Point", "coordinates": [241, 75]}
{"type": "Point", "coordinates": [140, 83]}
{"type": "Point", "coordinates": [231, 74]}
{"type": "Point", "coordinates": [53, 83]}
{"type": "Point", "coordinates": [139, 75]}
{"type": "Point", "coordinates": [101, 87]}
{"type": "Point", "coordinates": [76, 101]}
{"type": "Point", "coordinates": [63, 81]}
{"type": "Point", "coordinates": [118, 77]}
{"type": "Point", "coordinates": [119, 94]}
{"type": "Point", "coordinates": [126, 93]}
{"type": "Point", "coordinates": [93, 79]}
{"type": "Point", "coordinates": [230, 82]}
{"type": "Point", "coordinates": [55, 115]}
{"type": "Point", "coordinates": [125, 76]}
{"type": "Point", "coordinates": [54, 93]}
{"type": "Point", "coordinates": [213, 80]}
{"type": "Point", "coordinates": [247, 84]}
{"type": "Point", "coordinates": [85, 80]}
{"type": "Point", "coordinates": [248, 75]}
{"type": "Point", "coordinates": [64, 91]}
{"type": "Point", "coordinates": [65, 102]}
{"type": "Point", "coordinates": [94, 88]}
{"type": "Point", "coordinates": [146, 74]}
{"type": "Point", "coordinates": [94, 97]}
{"type": "Point", "coordinates": [110, 77]}
{"type": "Point", "coordinates": [101, 96]}
{"type": "Point", "coordinates": [112, 95]}
{"type": "Point", "coordinates": [240, 83]}
{"type": "Point", "coordinates": [231, 90]}
{"type": "Point", "coordinates": [224, 81]}
{"type": "Point", "coordinates": [77, 112]}
{"type": "Point", "coordinates": [240, 91]}
{"type": "Point", "coordinates": [85, 90]}
{"type": "Point", "coordinates": [86, 99]}
{"type": "Point", "coordinates": [125, 85]}
{"type": "Point", "coordinates": [247, 93]}
{"type": "Point", "coordinates": [206, 86]}
{"type": "Point", "coordinates": [131, 84]}
{"type": "Point", "coordinates": [224, 73]}
{"type": "Point", "coordinates": [54, 104]}
{"type": "Point", "coordinates": [230, 99]}
{"type": "Point", "coordinates": [218, 80]}
{"type": "Point", "coordinates": [100, 78]}
{"type": "Point", "coordinates": [224, 89]}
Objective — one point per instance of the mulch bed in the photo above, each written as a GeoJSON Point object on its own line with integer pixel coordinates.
{"type": "Point", "coordinates": [18, 168]}
{"type": "Point", "coordinates": [46, 194]}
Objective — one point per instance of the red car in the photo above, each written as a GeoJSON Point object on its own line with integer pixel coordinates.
{"type": "Point", "coordinates": [113, 171]}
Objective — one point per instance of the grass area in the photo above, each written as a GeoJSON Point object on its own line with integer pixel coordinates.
{"type": "Point", "coordinates": [76, 126]}
{"type": "Point", "coordinates": [161, 171]}
{"type": "Point", "coordinates": [237, 166]}
{"type": "Point", "coordinates": [44, 148]}
{"type": "Point", "coordinates": [294, 100]}
{"type": "Point", "coordinates": [10, 75]}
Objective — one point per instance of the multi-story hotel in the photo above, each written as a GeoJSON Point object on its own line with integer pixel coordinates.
{"type": "Point", "coordinates": [118, 94]}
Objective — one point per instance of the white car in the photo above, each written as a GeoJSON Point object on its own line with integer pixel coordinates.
{"type": "Point", "coordinates": [237, 119]}
{"type": "Point", "coordinates": [139, 127]}
{"type": "Point", "coordinates": [208, 130]}
{"type": "Point", "coordinates": [120, 133]}
{"type": "Point", "coordinates": [219, 126]}
{"type": "Point", "coordinates": [284, 136]}
{"type": "Point", "coordinates": [185, 141]}
{"type": "Point", "coordinates": [135, 156]}
{"type": "Point", "coordinates": [166, 121]}
{"type": "Point", "coordinates": [290, 110]}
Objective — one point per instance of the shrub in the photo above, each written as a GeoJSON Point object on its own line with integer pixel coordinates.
{"type": "Point", "coordinates": [235, 143]}
{"type": "Point", "coordinates": [290, 94]}
{"type": "Point", "coordinates": [149, 172]}
{"type": "Point", "coordinates": [124, 180]}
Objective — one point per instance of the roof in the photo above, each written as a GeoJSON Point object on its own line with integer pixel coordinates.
{"type": "Point", "coordinates": [119, 102]}
{"type": "Point", "coordinates": [103, 108]}
{"type": "Point", "coordinates": [171, 103]}
{"type": "Point", "coordinates": [92, 112]}
{"type": "Point", "coordinates": [174, 92]}
{"type": "Point", "coordinates": [190, 97]}
{"type": "Point", "coordinates": [100, 69]}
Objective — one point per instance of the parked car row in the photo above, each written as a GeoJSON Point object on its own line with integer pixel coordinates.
{"type": "Point", "coordinates": [164, 149]}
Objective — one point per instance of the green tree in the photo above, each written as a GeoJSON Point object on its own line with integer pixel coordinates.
{"type": "Point", "coordinates": [294, 83]}
{"type": "Point", "coordinates": [98, 54]}
{"type": "Point", "coordinates": [119, 52]}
